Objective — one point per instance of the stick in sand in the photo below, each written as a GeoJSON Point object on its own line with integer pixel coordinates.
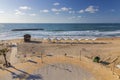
{"type": "Point", "coordinates": [80, 55]}
{"type": "Point", "coordinates": [42, 55]}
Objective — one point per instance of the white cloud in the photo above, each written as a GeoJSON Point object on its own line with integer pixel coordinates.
{"type": "Point", "coordinates": [56, 4]}
{"type": "Point", "coordinates": [25, 8]}
{"type": "Point", "coordinates": [21, 10]}
{"type": "Point", "coordinates": [1, 12]}
{"type": "Point", "coordinates": [65, 9]}
{"type": "Point", "coordinates": [81, 11]}
{"type": "Point", "coordinates": [44, 11]}
{"type": "Point", "coordinates": [32, 14]}
{"type": "Point", "coordinates": [91, 9]}
{"type": "Point", "coordinates": [18, 12]}
{"type": "Point", "coordinates": [75, 17]}
{"type": "Point", "coordinates": [55, 10]}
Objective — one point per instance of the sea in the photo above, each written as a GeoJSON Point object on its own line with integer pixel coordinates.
{"type": "Point", "coordinates": [60, 30]}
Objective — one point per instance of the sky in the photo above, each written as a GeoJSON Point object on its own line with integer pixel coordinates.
{"type": "Point", "coordinates": [59, 11]}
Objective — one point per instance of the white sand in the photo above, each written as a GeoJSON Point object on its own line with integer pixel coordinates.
{"type": "Point", "coordinates": [63, 71]}
{"type": "Point", "coordinates": [56, 71]}
{"type": "Point", "coordinates": [13, 58]}
{"type": "Point", "coordinates": [65, 68]}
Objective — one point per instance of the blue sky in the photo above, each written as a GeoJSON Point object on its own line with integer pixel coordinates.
{"type": "Point", "coordinates": [59, 11]}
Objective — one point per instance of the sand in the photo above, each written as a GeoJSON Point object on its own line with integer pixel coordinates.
{"type": "Point", "coordinates": [76, 65]}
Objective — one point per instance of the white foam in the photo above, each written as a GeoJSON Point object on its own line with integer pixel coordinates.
{"type": "Point", "coordinates": [61, 34]}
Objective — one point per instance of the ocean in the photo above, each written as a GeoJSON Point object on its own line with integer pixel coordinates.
{"type": "Point", "coordinates": [61, 30]}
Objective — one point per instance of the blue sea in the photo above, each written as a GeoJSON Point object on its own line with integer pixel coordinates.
{"type": "Point", "coordinates": [65, 30]}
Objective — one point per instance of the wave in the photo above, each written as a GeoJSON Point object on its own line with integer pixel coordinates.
{"type": "Point", "coordinates": [59, 34]}
{"type": "Point", "coordinates": [75, 33]}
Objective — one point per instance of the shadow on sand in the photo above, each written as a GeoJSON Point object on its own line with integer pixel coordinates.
{"type": "Point", "coordinates": [32, 61]}
{"type": "Point", "coordinates": [104, 62]}
{"type": "Point", "coordinates": [34, 42]}
{"type": "Point", "coordinates": [24, 75]}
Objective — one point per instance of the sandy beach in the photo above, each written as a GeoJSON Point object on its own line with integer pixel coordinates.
{"type": "Point", "coordinates": [44, 59]}
{"type": "Point", "coordinates": [59, 39]}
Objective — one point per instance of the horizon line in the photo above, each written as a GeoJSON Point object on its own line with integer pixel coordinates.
{"type": "Point", "coordinates": [59, 23]}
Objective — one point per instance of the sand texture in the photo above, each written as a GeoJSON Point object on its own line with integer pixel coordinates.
{"type": "Point", "coordinates": [47, 60]}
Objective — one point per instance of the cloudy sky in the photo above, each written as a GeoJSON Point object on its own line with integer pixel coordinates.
{"type": "Point", "coordinates": [59, 11]}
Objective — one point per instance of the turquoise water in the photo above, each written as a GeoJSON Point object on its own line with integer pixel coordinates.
{"type": "Point", "coordinates": [60, 30]}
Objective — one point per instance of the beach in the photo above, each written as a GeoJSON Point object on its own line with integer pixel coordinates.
{"type": "Point", "coordinates": [59, 40]}
{"type": "Point", "coordinates": [46, 59]}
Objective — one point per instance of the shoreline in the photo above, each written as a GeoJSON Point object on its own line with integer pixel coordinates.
{"type": "Point", "coordinates": [67, 38]}
{"type": "Point", "coordinates": [72, 38]}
